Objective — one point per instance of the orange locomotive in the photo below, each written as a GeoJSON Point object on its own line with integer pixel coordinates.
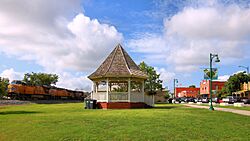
{"type": "Point", "coordinates": [19, 90]}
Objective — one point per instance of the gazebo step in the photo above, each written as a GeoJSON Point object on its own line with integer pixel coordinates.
{"type": "Point", "coordinates": [121, 105]}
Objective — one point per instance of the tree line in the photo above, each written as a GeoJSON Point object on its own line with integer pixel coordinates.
{"type": "Point", "coordinates": [4, 82]}
{"type": "Point", "coordinates": [234, 83]}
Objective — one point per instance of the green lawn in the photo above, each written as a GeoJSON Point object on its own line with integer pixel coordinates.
{"type": "Point", "coordinates": [165, 122]}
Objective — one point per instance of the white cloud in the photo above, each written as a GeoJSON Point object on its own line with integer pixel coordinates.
{"type": "Point", "coordinates": [220, 23]}
{"type": "Point", "coordinates": [69, 81]}
{"type": "Point", "coordinates": [49, 36]}
{"type": "Point", "coordinates": [191, 34]}
{"type": "Point", "coordinates": [11, 74]}
{"type": "Point", "coordinates": [147, 43]}
{"type": "Point", "coordinates": [223, 77]}
{"type": "Point", "coordinates": [165, 75]}
{"type": "Point", "coordinates": [57, 36]}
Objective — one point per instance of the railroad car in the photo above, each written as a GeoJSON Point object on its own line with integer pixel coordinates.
{"type": "Point", "coordinates": [20, 90]}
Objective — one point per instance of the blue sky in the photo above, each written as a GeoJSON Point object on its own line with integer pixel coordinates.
{"type": "Point", "coordinates": [71, 38]}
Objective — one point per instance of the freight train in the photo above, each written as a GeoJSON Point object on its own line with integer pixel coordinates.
{"type": "Point", "coordinates": [20, 90]}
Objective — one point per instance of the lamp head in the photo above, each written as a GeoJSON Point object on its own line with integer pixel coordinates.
{"type": "Point", "coordinates": [217, 58]}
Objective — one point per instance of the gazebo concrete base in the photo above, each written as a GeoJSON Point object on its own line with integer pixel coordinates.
{"type": "Point", "coordinates": [121, 105]}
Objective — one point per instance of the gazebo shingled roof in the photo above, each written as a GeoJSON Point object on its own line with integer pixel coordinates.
{"type": "Point", "coordinates": [118, 64]}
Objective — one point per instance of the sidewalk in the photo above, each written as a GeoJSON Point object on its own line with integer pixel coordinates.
{"type": "Point", "coordinates": [241, 112]}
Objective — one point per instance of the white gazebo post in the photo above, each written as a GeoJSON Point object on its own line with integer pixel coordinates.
{"type": "Point", "coordinates": [96, 87]}
{"type": "Point", "coordinates": [129, 89]}
{"type": "Point", "coordinates": [143, 93]}
{"type": "Point", "coordinates": [107, 90]}
{"type": "Point", "coordinates": [93, 90]}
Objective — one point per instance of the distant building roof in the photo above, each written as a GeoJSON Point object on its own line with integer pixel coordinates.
{"type": "Point", "coordinates": [118, 64]}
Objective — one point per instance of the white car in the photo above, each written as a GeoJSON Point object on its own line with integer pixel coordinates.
{"type": "Point", "coordinates": [205, 100]}
{"type": "Point", "coordinates": [229, 99]}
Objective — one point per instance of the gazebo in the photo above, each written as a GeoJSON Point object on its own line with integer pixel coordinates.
{"type": "Point", "coordinates": [119, 83]}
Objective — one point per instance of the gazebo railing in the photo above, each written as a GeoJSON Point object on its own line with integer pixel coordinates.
{"type": "Point", "coordinates": [100, 96]}
{"type": "Point", "coordinates": [136, 97]}
{"type": "Point", "coordinates": [123, 97]}
{"type": "Point", "coordinates": [118, 96]}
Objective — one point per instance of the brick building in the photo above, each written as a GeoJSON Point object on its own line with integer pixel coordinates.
{"type": "Point", "coordinates": [186, 92]}
{"type": "Point", "coordinates": [244, 90]}
{"type": "Point", "coordinates": [205, 87]}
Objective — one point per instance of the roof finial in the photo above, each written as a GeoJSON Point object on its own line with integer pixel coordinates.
{"type": "Point", "coordinates": [119, 45]}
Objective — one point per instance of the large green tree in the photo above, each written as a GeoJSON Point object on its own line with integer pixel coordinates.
{"type": "Point", "coordinates": [153, 83]}
{"type": "Point", "coordinates": [167, 94]}
{"type": "Point", "coordinates": [234, 83]}
{"type": "Point", "coordinates": [3, 86]}
{"type": "Point", "coordinates": [40, 79]}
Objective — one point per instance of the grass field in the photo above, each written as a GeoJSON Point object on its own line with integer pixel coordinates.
{"type": "Point", "coordinates": [165, 122]}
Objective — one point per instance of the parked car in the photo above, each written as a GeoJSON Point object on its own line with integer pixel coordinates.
{"type": "Point", "coordinates": [199, 99]}
{"type": "Point", "coordinates": [189, 99]}
{"type": "Point", "coordinates": [170, 100]}
{"type": "Point", "coordinates": [238, 99]}
{"type": "Point", "coordinates": [205, 100]}
{"type": "Point", "coordinates": [216, 100]}
{"type": "Point", "coordinates": [195, 100]}
{"type": "Point", "coordinates": [245, 100]}
{"type": "Point", "coordinates": [226, 99]}
{"type": "Point", "coordinates": [180, 99]}
{"type": "Point", "coordinates": [177, 100]}
{"type": "Point", "coordinates": [230, 99]}
{"type": "Point", "coordinates": [183, 99]}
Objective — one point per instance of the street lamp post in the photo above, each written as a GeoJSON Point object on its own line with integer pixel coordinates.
{"type": "Point", "coordinates": [175, 81]}
{"type": "Point", "coordinates": [246, 67]}
{"type": "Point", "coordinates": [212, 56]}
